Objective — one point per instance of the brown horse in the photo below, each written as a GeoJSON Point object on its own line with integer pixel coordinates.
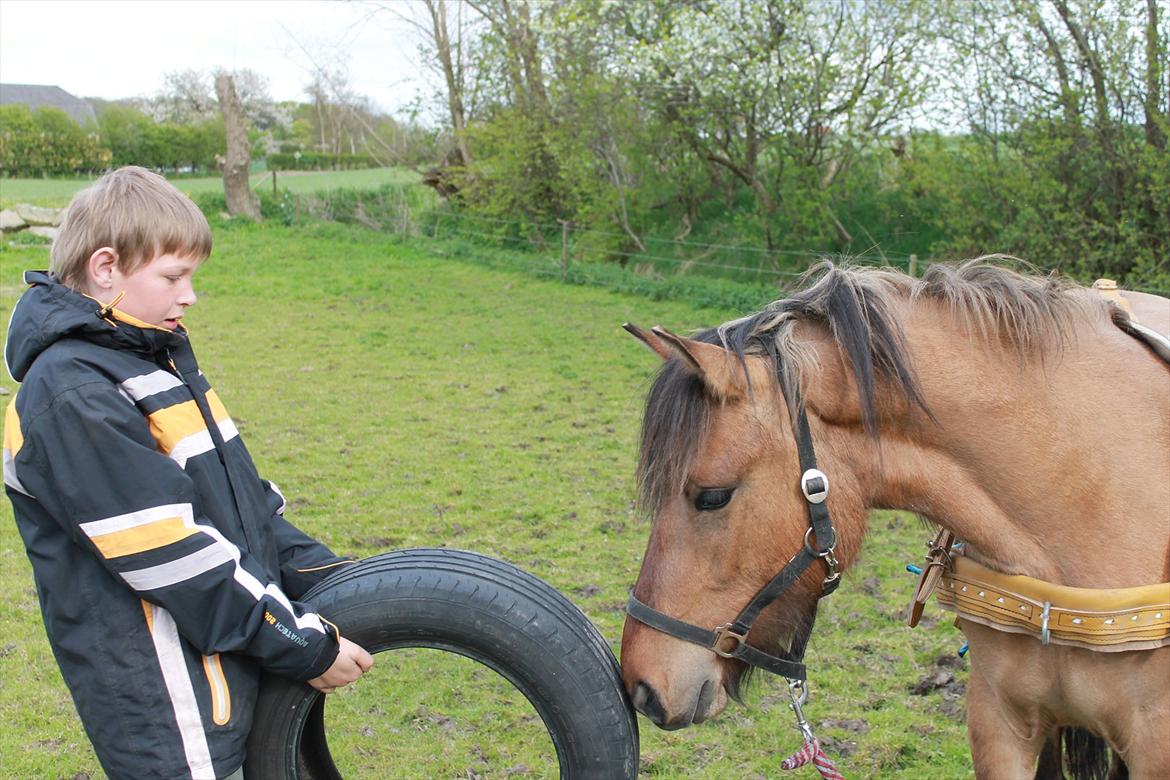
{"type": "Point", "coordinates": [1011, 409]}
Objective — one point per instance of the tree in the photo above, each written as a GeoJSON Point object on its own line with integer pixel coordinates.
{"type": "Point", "coordinates": [186, 96]}
{"type": "Point", "coordinates": [240, 198]}
{"type": "Point", "coordinates": [449, 57]}
{"type": "Point", "coordinates": [1070, 109]}
{"type": "Point", "coordinates": [516, 30]}
{"type": "Point", "coordinates": [781, 95]}
{"type": "Point", "coordinates": [125, 130]}
{"type": "Point", "coordinates": [190, 96]}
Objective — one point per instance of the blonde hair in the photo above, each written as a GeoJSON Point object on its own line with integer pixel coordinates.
{"type": "Point", "coordinates": [137, 213]}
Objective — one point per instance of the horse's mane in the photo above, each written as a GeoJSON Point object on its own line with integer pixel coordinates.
{"type": "Point", "coordinates": [857, 305]}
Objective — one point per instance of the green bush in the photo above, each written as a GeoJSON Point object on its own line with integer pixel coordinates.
{"type": "Point", "coordinates": [1034, 194]}
{"type": "Point", "coordinates": [391, 207]}
{"type": "Point", "coordinates": [47, 142]}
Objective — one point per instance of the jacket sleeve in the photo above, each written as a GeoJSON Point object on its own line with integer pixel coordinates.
{"type": "Point", "coordinates": [90, 460]}
{"type": "Point", "coordinates": [304, 561]}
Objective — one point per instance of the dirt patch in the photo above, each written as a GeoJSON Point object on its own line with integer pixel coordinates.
{"type": "Point", "coordinates": [941, 679]}
{"type": "Point", "coordinates": [842, 748]}
{"type": "Point", "coordinates": [936, 680]}
{"type": "Point", "coordinates": [853, 725]}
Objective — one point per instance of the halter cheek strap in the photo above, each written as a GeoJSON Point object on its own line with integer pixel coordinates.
{"type": "Point", "coordinates": [730, 639]}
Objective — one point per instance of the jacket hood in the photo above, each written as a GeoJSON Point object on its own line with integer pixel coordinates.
{"type": "Point", "coordinates": [49, 312]}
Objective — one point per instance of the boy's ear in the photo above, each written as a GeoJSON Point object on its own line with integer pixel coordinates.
{"type": "Point", "coordinates": [100, 268]}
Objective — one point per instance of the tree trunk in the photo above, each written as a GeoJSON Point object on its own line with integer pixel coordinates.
{"type": "Point", "coordinates": [1155, 123]}
{"type": "Point", "coordinates": [530, 57]}
{"type": "Point", "coordinates": [240, 198]}
{"type": "Point", "coordinates": [442, 41]}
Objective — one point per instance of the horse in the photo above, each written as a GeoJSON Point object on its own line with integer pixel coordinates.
{"type": "Point", "coordinates": [1013, 410]}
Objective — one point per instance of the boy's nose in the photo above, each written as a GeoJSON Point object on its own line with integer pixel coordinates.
{"type": "Point", "coordinates": [188, 297]}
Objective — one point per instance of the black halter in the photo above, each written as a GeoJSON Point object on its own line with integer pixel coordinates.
{"type": "Point", "coordinates": [730, 639]}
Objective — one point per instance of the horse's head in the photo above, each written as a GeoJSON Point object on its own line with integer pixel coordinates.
{"type": "Point", "coordinates": [720, 475]}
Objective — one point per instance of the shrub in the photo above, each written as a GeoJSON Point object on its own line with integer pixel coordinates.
{"type": "Point", "coordinates": [47, 142]}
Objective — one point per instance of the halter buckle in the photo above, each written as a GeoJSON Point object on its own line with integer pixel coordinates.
{"type": "Point", "coordinates": [815, 486]}
{"type": "Point", "coordinates": [723, 633]}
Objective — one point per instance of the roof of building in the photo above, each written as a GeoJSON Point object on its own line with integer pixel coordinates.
{"type": "Point", "coordinates": [45, 96]}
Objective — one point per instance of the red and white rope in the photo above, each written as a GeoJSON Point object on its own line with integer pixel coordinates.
{"type": "Point", "coordinates": [811, 752]}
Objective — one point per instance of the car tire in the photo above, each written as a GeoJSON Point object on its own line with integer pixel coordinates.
{"type": "Point", "coordinates": [481, 608]}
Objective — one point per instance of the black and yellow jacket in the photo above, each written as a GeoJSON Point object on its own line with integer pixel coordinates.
{"type": "Point", "coordinates": [166, 572]}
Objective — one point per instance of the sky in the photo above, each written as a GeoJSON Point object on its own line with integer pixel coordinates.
{"type": "Point", "coordinates": [123, 48]}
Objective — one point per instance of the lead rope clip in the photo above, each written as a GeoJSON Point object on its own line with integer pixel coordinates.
{"type": "Point", "coordinates": [799, 695]}
{"type": "Point", "coordinates": [810, 752]}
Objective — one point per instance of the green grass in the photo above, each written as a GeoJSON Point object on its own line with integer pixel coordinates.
{"type": "Point", "coordinates": [402, 399]}
{"type": "Point", "coordinates": [57, 192]}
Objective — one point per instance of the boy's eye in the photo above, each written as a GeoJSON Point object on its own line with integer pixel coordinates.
{"type": "Point", "coordinates": [712, 498]}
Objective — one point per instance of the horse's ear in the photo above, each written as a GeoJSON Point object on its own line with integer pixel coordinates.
{"type": "Point", "coordinates": [720, 370]}
{"type": "Point", "coordinates": [831, 391]}
{"type": "Point", "coordinates": [649, 339]}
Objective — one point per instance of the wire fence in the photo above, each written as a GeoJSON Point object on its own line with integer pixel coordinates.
{"type": "Point", "coordinates": [561, 249]}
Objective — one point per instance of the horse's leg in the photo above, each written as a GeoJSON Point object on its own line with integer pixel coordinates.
{"type": "Point", "coordinates": [1004, 742]}
{"type": "Point", "coordinates": [1125, 697]}
{"type": "Point", "coordinates": [1146, 749]}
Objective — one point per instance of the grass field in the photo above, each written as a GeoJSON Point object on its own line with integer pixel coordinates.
{"type": "Point", "coordinates": [57, 192]}
{"type": "Point", "coordinates": [401, 399]}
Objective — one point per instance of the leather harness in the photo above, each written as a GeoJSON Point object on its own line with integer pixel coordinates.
{"type": "Point", "coordinates": [1108, 620]}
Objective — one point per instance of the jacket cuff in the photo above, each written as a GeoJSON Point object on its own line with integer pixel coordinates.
{"type": "Point", "coordinates": [325, 658]}
{"type": "Point", "coordinates": [327, 653]}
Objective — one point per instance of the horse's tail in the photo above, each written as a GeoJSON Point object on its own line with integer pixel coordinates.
{"type": "Point", "coordinates": [1085, 755]}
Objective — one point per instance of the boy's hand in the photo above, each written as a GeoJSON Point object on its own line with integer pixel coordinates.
{"type": "Point", "coordinates": [351, 663]}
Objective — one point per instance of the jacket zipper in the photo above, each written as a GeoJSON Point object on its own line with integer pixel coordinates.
{"type": "Point", "coordinates": [221, 697]}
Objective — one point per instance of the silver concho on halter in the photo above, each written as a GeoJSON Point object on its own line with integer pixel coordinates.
{"type": "Point", "coordinates": [815, 486]}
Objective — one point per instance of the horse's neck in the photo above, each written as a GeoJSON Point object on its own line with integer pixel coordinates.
{"type": "Point", "coordinates": [1060, 471]}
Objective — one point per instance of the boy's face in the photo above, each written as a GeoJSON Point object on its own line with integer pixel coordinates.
{"type": "Point", "coordinates": [159, 292]}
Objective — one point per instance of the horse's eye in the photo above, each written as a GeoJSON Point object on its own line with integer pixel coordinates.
{"type": "Point", "coordinates": [712, 498]}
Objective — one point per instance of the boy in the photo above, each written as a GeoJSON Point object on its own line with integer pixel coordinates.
{"type": "Point", "coordinates": [166, 572]}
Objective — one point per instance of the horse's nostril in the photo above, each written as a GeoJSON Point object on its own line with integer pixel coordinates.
{"type": "Point", "coordinates": [646, 702]}
{"type": "Point", "coordinates": [641, 694]}
{"type": "Point", "coordinates": [703, 704]}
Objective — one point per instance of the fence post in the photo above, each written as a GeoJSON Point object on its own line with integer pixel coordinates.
{"type": "Point", "coordinates": [914, 265]}
{"type": "Point", "coordinates": [274, 182]}
{"type": "Point", "coordinates": [564, 249]}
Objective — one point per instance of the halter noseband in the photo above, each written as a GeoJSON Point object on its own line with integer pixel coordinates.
{"type": "Point", "coordinates": [730, 639]}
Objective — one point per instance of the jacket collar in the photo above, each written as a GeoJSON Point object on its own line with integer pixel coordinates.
{"type": "Point", "coordinates": [49, 312]}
